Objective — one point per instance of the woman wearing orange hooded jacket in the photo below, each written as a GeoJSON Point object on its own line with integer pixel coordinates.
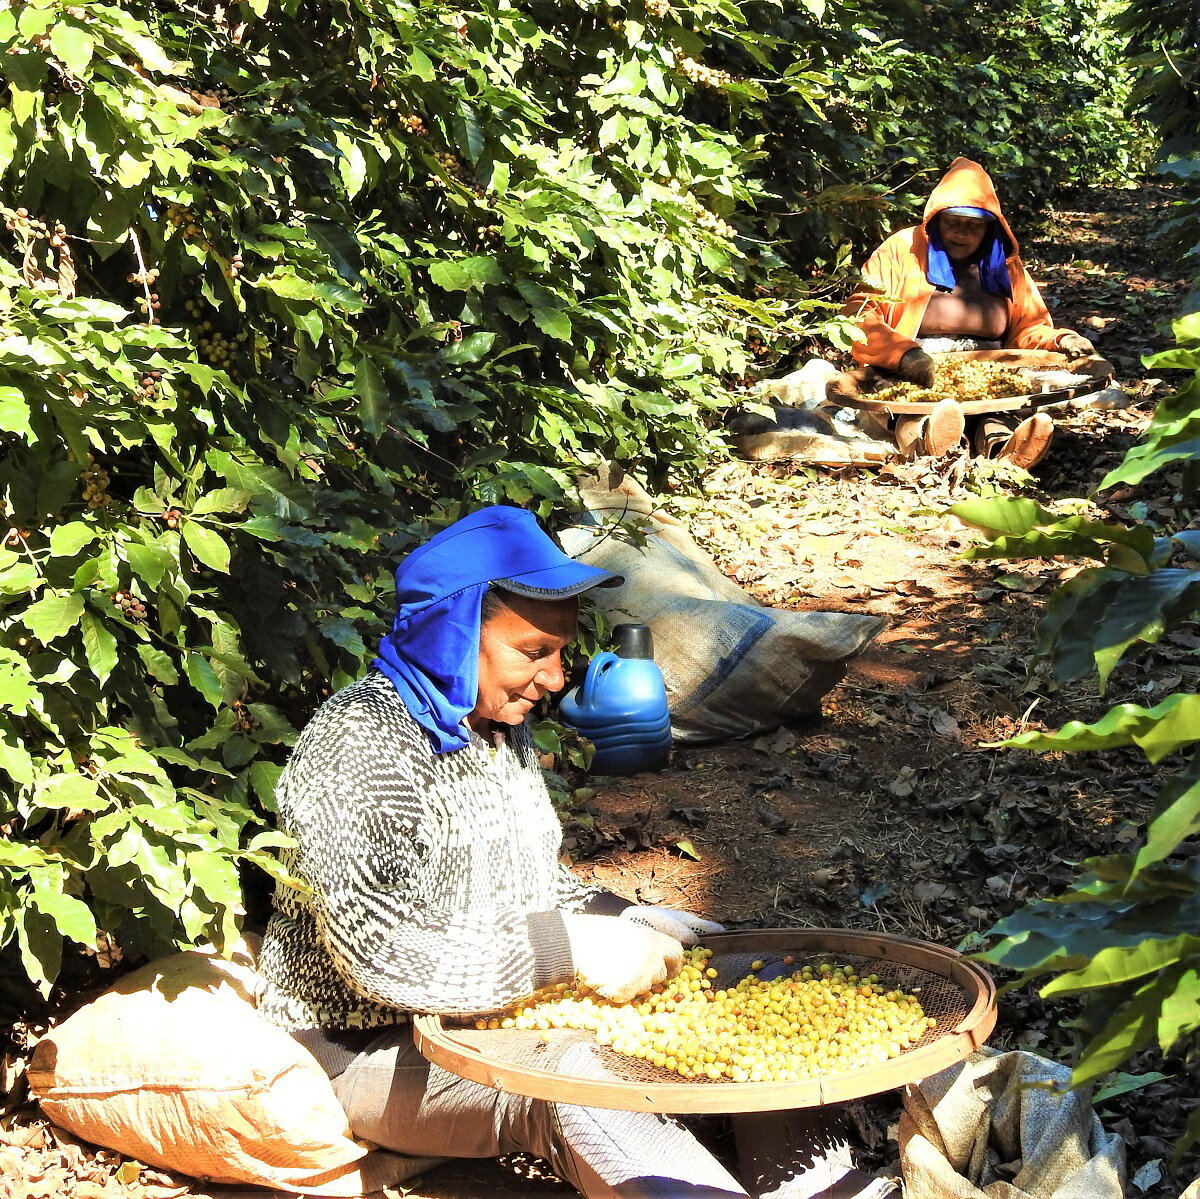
{"type": "Point", "coordinates": [956, 281]}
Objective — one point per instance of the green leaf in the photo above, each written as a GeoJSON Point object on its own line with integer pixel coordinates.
{"type": "Point", "coordinates": [14, 412]}
{"type": "Point", "coordinates": [1121, 964]}
{"type": "Point", "coordinates": [222, 499]}
{"type": "Point", "coordinates": [41, 948]}
{"type": "Point", "coordinates": [1177, 817]}
{"type": "Point", "coordinates": [208, 547]}
{"type": "Point", "coordinates": [1148, 459]}
{"type": "Point", "coordinates": [1132, 1026]}
{"type": "Point", "coordinates": [17, 690]}
{"type": "Point", "coordinates": [373, 400]}
{"type": "Point", "coordinates": [470, 349]}
{"type": "Point", "coordinates": [1158, 731]}
{"type": "Point", "coordinates": [71, 791]}
{"type": "Point", "coordinates": [67, 540]}
{"type": "Point", "coordinates": [201, 675]}
{"type": "Point", "coordinates": [15, 760]}
{"type": "Point", "coordinates": [159, 664]}
{"type": "Point", "coordinates": [18, 578]}
{"type": "Point", "coordinates": [1121, 1084]}
{"type": "Point", "coordinates": [466, 274]}
{"type": "Point", "coordinates": [74, 45]}
{"type": "Point", "coordinates": [263, 778]}
{"type": "Point", "coordinates": [343, 633]}
{"type": "Point", "coordinates": [100, 646]}
{"type": "Point", "coordinates": [72, 917]}
{"type": "Point", "coordinates": [149, 562]}
{"type": "Point", "coordinates": [554, 323]}
{"type": "Point", "coordinates": [54, 616]}
{"type": "Point", "coordinates": [1021, 528]}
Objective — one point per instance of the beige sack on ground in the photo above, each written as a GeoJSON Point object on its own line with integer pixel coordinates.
{"type": "Point", "coordinates": [992, 1128]}
{"type": "Point", "coordinates": [732, 666]}
{"type": "Point", "coordinates": [175, 1068]}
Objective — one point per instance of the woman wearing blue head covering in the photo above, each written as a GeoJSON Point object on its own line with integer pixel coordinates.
{"type": "Point", "coordinates": [430, 850]}
{"type": "Point", "coordinates": [956, 281]}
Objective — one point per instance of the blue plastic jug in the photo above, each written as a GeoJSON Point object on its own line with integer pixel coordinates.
{"type": "Point", "coordinates": [621, 706]}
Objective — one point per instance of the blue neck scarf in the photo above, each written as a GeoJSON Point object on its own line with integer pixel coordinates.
{"type": "Point", "coordinates": [992, 258]}
{"type": "Point", "coordinates": [432, 653]}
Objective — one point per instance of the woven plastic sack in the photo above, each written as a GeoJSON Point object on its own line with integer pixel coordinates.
{"type": "Point", "coordinates": [174, 1067]}
{"type": "Point", "coordinates": [1005, 1126]}
{"type": "Point", "coordinates": [731, 665]}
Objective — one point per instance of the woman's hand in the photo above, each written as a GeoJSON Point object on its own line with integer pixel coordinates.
{"type": "Point", "coordinates": [1075, 345]}
{"type": "Point", "coordinates": [916, 366]}
{"type": "Point", "coordinates": [686, 928]}
{"type": "Point", "coordinates": [619, 959]}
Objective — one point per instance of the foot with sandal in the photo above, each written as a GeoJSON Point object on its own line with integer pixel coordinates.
{"type": "Point", "coordinates": [1024, 446]}
{"type": "Point", "coordinates": [933, 435]}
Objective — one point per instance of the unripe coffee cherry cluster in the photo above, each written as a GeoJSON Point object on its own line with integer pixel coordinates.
{"type": "Point", "coordinates": [711, 223]}
{"type": "Point", "coordinates": [188, 223]}
{"type": "Point", "coordinates": [216, 347]}
{"type": "Point", "coordinates": [18, 220]}
{"type": "Point", "coordinates": [235, 267]}
{"type": "Point", "coordinates": [143, 276]}
{"type": "Point", "coordinates": [414, 125]}
{"type": "Point", "coordinates": [171, 517]}
{"type": "Point", "coordinates": [95, 487]}
{"type": "Point", "coordinates": [246, 721]}
{"type": "Point", "coordinates": [659, 8]}
{"type": "Point", "coordinates": [451, 165]}
{"type": "Point", "coordinates": [698, 72]}
{"type": "Point", "coordinates": [131, 607]}
{"type": "Point", "coordinates": [150, 386]}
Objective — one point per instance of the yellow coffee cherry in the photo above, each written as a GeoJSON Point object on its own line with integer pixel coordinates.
{"type": "Point", "coordinates": [815, 1020]}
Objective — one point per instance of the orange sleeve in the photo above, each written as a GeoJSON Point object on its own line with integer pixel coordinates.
{"type": "Point", "coordinates": [1030, 326]}
{"type": "Point", "coordinates": [876, 308]}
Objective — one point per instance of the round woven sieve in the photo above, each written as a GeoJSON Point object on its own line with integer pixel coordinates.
{"type": "Point", "coordinates": [1088, 375]}
{"type": "Point", "coordinates": [567, 1066]}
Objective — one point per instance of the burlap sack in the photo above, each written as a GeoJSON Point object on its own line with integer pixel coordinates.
{"type": "Point", "coordinates": [732, 666]}
{"type": "Point", "coordinates": [1004, 1126]}
{"type": "Point", "coordinates": [175, 1068]}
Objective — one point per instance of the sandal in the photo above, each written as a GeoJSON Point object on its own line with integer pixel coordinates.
{"type": "Point", "coordinates": [990, 437]}
{"type": "Point", "coordinates": [1028, 442]}
{"type": "Point", "coordinates": [933, 435]}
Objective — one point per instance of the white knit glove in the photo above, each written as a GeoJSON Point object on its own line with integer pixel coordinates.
{"type": "Point", "coordinates": [619, 960]}
{"type": "Point", "coordinates": [683, 926]}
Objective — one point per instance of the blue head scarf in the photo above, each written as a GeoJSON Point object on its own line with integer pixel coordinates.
{"type": "Point", "coordinates": [432, 653]}
{"type": "Point", "coordinates": [992, 256]}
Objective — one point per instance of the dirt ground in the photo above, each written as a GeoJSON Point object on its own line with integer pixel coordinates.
{"type": "Point", "coordinates": [887, 812]}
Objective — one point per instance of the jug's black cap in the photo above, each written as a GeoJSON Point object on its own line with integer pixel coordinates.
{"type": "Point", "coordinates": [633, 641]}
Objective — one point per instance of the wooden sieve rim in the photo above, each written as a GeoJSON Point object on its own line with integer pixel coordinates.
{"type": "Point", "coordinates": [441, 1046]}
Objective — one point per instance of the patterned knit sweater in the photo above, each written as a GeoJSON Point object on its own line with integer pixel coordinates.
{"type": "Point", "coordinates": [435, 878]}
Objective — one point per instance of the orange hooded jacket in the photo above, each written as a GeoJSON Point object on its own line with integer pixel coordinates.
{"type": "Point", "coordinates": [891, 303]}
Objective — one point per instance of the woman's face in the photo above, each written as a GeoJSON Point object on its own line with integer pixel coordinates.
{"type": "Point", "coordinates": [962, 235]}
{"type": "Point", "coordinates": [520, 650]}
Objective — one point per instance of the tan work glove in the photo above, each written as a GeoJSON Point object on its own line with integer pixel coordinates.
{"type": "Point", "coordinates": [686, 928]}
{"type": "Point", "coordinates": [916, 366]}
{"type": "Point", "coordinates": [619, 959]}
{"type": "Point", "coordinates": [1075, 345]}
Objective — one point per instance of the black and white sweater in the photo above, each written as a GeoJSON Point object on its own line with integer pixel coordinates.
{"type": "Point", "coordinates": [436, 881]}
